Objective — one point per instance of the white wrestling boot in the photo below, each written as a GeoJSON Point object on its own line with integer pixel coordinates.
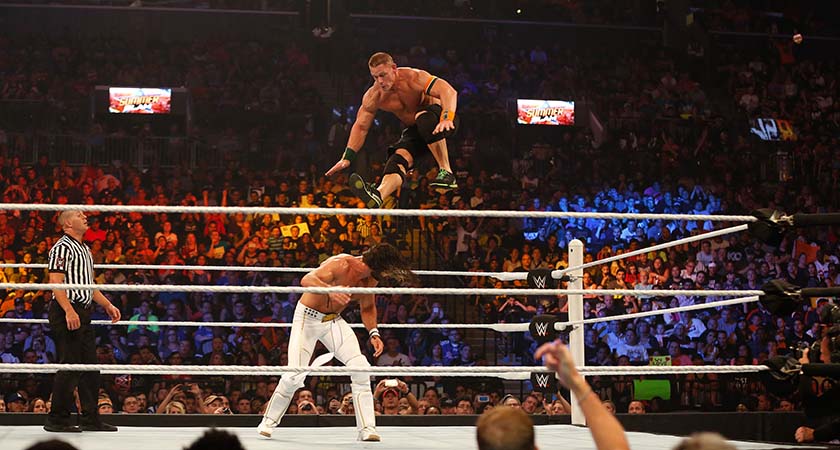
{"type": "Point", "coordinates": [369, 434]}
{"type": "Point", "coordinates": [277, 405]}
{"type": "Point", "coordinates": [365, 417]}
{"type": "Point", "coordinates": [266, 427]}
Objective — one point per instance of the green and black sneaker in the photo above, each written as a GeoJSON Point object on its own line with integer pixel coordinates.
{"type": "Point", "coordinates": [366, 192]}
{"type": "Point", "coordinates": [445, 181]}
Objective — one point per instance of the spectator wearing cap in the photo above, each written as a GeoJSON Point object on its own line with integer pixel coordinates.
{"type": "Point", "coordinates": [105, 406]}
{"type": "Point", "coordinates": [451, 347]}
{"type": "Point", "coordinates": [447, 406]}
{"type": "Point", "coordinates": [16, 402]}
{"type": "Point", "coordinates": [214, 404]}
{"type": "Point", "coordinates": [21, 312]}
{"type": "Point", "coordinates": [511, 401]}
{"type": "Point", "coordinates": [391, 397]}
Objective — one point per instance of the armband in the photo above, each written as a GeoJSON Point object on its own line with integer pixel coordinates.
{"type": "Point", "coordinates": [447, 115]}
{"type": "Point", "coordinates": [349, 154]}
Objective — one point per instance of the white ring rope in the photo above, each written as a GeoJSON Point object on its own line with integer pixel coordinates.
{"type": "Point", "coordinates": [712, 234]}
{"type": "Point", "coordinates": [510, 372]}
{"type": "Point", "coordinates": [734, 301]}
{"type": "Point", "coordinates": [367, 290]}
{"type": "Point", "coordinates": [371, 212]}
{"type": "Point", "coordinates": [504, 276]}
{"type": "Point", "coordinates": [500, 327]}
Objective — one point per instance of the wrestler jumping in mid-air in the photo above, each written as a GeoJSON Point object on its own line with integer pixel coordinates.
{"type": "Point", "coordinates": [317, 318]}
{"type": "Point", "coordinates": [426, 106]}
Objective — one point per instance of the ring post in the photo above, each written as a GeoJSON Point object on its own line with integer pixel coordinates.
{"type": "Point", "coordinates": [576, 336]}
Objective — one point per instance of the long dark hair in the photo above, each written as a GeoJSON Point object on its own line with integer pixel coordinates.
{"type": "Point", "coordinates": [388, 266]}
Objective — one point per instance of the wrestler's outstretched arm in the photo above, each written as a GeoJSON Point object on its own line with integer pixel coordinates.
{"type": "Point", "coordinates": [364, 119]}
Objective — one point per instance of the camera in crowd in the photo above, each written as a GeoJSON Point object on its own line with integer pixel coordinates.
{"type": "Point", "coordinates": [830, 320]}
{"type": "Point", "coordinates": [307, 407]}
{"type": "Point", "coordinates": [830, 315]}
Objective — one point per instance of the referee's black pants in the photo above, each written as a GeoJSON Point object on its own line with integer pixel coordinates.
{"type": "Point", "coordinates": [74, 347]}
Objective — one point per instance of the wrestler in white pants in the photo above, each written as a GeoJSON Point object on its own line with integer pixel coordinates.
{"type": "Point", "coordinates": [338, 337]}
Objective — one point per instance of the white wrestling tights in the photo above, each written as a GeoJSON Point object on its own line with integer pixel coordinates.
{"type": "Point", "coordinates": [339, 339]}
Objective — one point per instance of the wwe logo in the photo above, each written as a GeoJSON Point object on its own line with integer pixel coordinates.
{"type": "Point", "coordinates": [542, 328]}
{"type": "Point", "coordinates": [539, 282]}
{"type": "Point", "coordinates": [541, 379]}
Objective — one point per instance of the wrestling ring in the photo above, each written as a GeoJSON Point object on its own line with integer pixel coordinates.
{"type": "Point", "coordinates": [404, 432]}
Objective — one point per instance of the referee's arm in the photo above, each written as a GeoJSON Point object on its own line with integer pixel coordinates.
{"type": "Point", "coordinates": [112, 311]}
{"type": "Point", "coordinates": [60, 295]}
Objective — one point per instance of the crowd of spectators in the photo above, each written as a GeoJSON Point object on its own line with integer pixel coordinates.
{"type": "Point", "coordinates": [254, 5]}
{"type": "Point", "coordinates": [228, 80]}
{"type": "Point", "coordinates": [671, 147]}
{"type": "Point", "coordinates": [764, 16]}
{"type": "Point", "coordinates": [726, 15]}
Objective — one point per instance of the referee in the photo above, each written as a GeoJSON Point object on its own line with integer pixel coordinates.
{"type": "Point", "coordinates": [71, 262]}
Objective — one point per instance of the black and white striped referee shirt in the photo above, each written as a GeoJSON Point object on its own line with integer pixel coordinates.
{"type": "Point", "coordinates": [74, 260]}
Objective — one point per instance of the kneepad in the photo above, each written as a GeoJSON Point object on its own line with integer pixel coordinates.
{"type": "Point", "coordinates": [393, 165]}
{"type": "Point", "coordinates": [359, 380]}
{"type": "Point", "coordinates": [291, 383]}
{"type": "Point", "coordinates": [426, 124]}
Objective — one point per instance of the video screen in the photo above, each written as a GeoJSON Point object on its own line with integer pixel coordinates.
{"type": "Point", "coordinates": [545, 112]}
{"type": "Point", "coordinates": [773, 129]}
{"type": "Point", "coordinates": [124, 100]}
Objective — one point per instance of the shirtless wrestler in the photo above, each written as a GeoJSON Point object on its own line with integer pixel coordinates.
{"type": "Point", "coordinates": [425, 104]}
{"type": "Point", "coordinates": [317, 318]}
